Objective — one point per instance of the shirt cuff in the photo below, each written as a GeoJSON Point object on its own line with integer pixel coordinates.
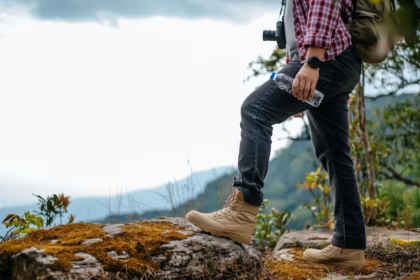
{"type": "Point", "coordinates": [317, 40]}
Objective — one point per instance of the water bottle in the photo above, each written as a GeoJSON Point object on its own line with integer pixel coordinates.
{"type": "Point", "coordinates": [285, 82]}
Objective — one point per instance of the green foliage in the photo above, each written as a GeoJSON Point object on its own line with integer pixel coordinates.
{"type": "Point", "coordinates": [381, 204]}
{"type": "Point", "coordinates": [395, 130]}
{"type": "Point", "coordinates": [394, 134]}
{"type": "Point", "coordinates": [53, 206]}
{"type": "Point", "coordinates": [316, 183]}
{"type": "Point", "coordinates": [267, 66]}
{"type": "Point", "coordinates": [404, 208]}
{"type": "Point", "coordinates": [408, 17]}
{"type": "Point", "coordinates": [271, 226]}
{"type": "Point", "coordinates": [18, 226]}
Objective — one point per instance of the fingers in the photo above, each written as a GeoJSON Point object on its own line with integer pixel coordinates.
{"type": "Point", "coordinates": [301, 89]}
{"type": "Point", "coordinates": [295, 86]}
{"type": "Point", "coordinates": [307, 91]}
{"type": "Point", "coordinates": [305, 82]}
{"type": "Point", "coordinates": [298, 87]}
{"type": "Point", "coordinates": [312, 91]}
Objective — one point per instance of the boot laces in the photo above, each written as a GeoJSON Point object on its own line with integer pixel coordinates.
{"type": "Point", "coordinates": [229, 205]}
{"type": "Point", "coordinates": [328, 248]}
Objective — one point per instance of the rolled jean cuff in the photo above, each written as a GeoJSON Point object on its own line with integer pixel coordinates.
{"type": "Point", "coordinates": [354, 242]}
{"type": "Point", "coordinates": [250, 196]}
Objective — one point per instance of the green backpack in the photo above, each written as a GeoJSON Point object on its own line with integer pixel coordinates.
{"type": "Point", "coordinates": [372, 29]}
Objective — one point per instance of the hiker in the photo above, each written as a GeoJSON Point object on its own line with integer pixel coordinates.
{"type": "Point", "coordinates": [320, 55]}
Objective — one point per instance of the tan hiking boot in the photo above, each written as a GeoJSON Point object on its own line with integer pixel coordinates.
{"type": "Point", "coordinates": [336, 255]}
{"type": "Point", "coordinates": [235, 221]}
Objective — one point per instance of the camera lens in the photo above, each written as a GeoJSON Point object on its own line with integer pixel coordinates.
{"type": "Point", "coordinates": [269, 35]}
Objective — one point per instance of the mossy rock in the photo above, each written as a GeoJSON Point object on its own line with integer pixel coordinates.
{"type": "Point", "coordinates": [164, 248]}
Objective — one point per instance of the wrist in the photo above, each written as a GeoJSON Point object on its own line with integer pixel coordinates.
{"type": "Point", "coordinates": [313, 62]}
{"type": "Point", "coordinates": [306, 67]}
{"type": "Point", "coordinates": [316, 51]}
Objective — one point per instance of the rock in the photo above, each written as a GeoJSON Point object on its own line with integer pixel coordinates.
{"type": "Point", "coordinates": [115, 255]}
{"type": "Point", "coordinates": [89, 264]}
{"type": "Point", "coordinates": [190, 256]}
{"type": "Point", "coordinates": [319, 238]}
{"type": "Point", "coordinates": [91, 241]}
{"type": "Point", "coordinates": [176, 249]}
{"type": "Point", "coordinates": [113, 229]}
{"type": "Point", "coordinates": [337, 276]}
{"type": "Point", "coordinates": [37, 255]}
{"type": "Point", "coordinates": [28, 264]}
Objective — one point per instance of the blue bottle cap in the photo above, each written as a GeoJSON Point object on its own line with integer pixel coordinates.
{"type": "Point", "coordinates": [272, 75]}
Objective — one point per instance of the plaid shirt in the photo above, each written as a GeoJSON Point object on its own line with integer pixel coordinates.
{"type": "Point", "coordinates": [319, 23]}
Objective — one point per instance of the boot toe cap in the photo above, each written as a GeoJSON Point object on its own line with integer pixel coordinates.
{"type": "Point", "coordinates": [312, 254]}
{"type": "Point", "coordinates": [204, 221]}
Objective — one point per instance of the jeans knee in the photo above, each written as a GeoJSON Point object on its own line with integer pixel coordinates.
{"type": "Point", "coordinates": [247, 109]}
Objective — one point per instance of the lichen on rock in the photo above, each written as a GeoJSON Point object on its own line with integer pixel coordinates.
{"type": "Point", "coordinates": [160, 247]}
{"type": "Point", "coordinates": [70, 243]}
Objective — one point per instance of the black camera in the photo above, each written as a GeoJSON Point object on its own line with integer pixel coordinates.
{"type": "Point", "coordinates": [279, 35]}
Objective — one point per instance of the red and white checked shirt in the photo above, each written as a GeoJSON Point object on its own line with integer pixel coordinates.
{"type": "Point", "coordinates": [319, 23]}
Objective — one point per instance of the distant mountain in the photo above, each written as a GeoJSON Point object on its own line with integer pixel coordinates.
{"type": "Point", "coordinates": [285, 170]}
{"type": "Point", "coordinates": [385, 101]}
{"type": "Point", "coordinates": [96, 208]}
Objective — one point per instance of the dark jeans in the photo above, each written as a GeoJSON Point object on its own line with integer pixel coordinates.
{"type": "Point", "coordinates": [268, 105]}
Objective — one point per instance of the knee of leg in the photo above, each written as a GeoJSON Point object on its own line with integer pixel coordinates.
{"type": "Point", "coordinates": [247, 109]}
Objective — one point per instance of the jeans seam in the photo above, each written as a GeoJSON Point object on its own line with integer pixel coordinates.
{"type": "Point", "coordinates": [323, 74]}
{"type": "Point", "coordinates": [335, 176]}
{"type": "Point", "coordinates": [257, 134]}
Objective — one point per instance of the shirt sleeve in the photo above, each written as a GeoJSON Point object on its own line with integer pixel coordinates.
{"type": "Point", "coordinates": [323, 18]}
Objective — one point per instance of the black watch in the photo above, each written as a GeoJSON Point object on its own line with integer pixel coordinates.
{"type": "Point", "coordinates": [313, 61]}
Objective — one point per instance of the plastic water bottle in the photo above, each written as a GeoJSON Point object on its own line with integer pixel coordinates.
{"type": "Point", "coordinates": [285, 82]}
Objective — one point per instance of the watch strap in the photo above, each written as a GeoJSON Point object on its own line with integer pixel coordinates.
{"type": "Point", "coordinates": [311, 64]}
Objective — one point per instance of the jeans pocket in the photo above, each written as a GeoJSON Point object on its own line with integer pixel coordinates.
{"type": "Point", "coordinates": [341, 76]}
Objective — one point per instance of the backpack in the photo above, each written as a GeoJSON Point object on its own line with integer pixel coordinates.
{"type": "Point", "coordinates": [372, 29]}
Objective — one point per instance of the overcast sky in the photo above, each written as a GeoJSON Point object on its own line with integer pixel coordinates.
{"type": "Point", "coordinates": [106, 93]}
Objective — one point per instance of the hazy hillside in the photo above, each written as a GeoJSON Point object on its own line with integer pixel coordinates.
{"type": "Point", "coordinates": [285, 171]}
{"type": "Point", "coordinates": [96, 208]}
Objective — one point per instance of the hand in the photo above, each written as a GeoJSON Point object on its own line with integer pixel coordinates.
{"type": "Point", "coordinates": [303, 86]}
{"type": "Point", "coordinates": [298, 115]}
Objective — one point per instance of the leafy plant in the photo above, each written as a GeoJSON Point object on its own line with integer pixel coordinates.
{"type": "Point", "coordinates": [315, 182]}
{"type": "Point", "coordinates": [18, 226]}
{"type": "Point", "coordinates": [405, 206]}
{"type": "Point", "coordinates": [381, 205]}
{"type": "Point", "coordinates": [271, 226]}
{"type": "Point", "coordinates": [54, 206]}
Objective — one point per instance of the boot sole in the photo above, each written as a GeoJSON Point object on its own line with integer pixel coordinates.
{"type": "Point", "coordinates": [237, 237]}
{"type": "Point", "coordinates": [344, 263]}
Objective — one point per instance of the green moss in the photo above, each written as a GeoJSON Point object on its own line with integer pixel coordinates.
{"type": "Point", "coordinates": [303, 269]}
{"type": "Point", "coordinates": [141, 241]}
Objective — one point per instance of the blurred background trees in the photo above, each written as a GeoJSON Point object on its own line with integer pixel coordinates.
{"type": "Point", "coordinates": [384, 126]}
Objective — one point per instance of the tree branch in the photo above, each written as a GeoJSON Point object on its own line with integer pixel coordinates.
{"type": "Point", "coordinates": [398, 177]}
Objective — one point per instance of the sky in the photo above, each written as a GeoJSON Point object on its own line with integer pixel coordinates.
{"type": "Point", "coordinates": [102, 94]}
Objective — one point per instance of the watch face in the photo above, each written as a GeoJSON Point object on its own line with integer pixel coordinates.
{"type": "Point", "coordinates": [314, 62]}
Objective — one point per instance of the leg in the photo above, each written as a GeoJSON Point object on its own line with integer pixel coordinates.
{"type": "Point", "coordinates": [266, 106]}
{"type": "Point", "coordinates": [330, 135]}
